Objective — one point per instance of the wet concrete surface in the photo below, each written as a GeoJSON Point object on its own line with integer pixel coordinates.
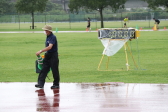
{"type": "Point", "coordinates": [84, 97]}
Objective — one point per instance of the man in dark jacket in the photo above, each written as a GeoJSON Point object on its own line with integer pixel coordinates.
{"type": "Point", "coordinates": [50, 60]}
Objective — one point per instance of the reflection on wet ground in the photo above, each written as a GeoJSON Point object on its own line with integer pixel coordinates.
{"type": "Point", "coordinates": [84, 97]}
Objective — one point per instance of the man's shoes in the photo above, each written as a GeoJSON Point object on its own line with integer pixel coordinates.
{"type": "Point", "coordinates": [38, 86]}
{"type": "Point", "coordinates": [54, 87]}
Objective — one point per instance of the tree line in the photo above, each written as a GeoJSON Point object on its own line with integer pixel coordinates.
{"type": "Point", "coordinates": [9, 7]}
{"type": "Point", "coordinates": [46, 6]}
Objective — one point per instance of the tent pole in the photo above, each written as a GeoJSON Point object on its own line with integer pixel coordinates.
{"type": "Point", "coordinates": [100, 62]}
{"type": "Point", "coordinates": [127, 65]}
{"type": "Point", "coordinates": [132, 56]}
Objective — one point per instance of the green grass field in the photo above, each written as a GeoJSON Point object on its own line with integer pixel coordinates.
{"type": "Point", "coordinates": [80, 54]}
{"type": "Point", "coordinates": [79, 26]}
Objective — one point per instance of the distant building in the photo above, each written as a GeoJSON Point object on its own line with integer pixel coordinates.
{"type": "Point", "coordinates": [128, 4]}
{"type": "Point", "coordinates": [135, 4]}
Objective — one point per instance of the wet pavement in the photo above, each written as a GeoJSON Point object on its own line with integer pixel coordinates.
{"type": "Point", "coordinates": [84, 97]}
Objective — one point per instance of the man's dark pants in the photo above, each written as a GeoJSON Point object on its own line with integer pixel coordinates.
{"type": "Point", "coordinates": [50, 61]}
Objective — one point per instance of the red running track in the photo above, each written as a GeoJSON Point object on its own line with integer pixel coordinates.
{"type": "Point", "coordinates": [84, 97]}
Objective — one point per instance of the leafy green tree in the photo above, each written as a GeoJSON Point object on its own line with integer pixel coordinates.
{"type": "Point", "coordinates": [99, 5]}
{"type": "Point", "coordinates": [54, 8]}
{"type": "Point", "coordinates": [6, 6]}
{"type": "Point", "coordinates": [156, 3]}
{"type": "Point", "coordinates": [31, 6]}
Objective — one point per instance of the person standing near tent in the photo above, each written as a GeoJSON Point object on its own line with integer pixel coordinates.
{"type": "Point", "coordinates": [88, 24]}
{"type": "Point", "coordinates": [156, 22]}
{"type": "Point", "coordinates": [50, 59]}
{"type": "Point", "coordinates": [125, 22]}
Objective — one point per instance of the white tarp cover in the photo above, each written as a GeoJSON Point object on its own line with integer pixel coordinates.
{"type": "Point", "coordinates": [114, 39]}
{"type": "Point", "coordinates": [111, 47]}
